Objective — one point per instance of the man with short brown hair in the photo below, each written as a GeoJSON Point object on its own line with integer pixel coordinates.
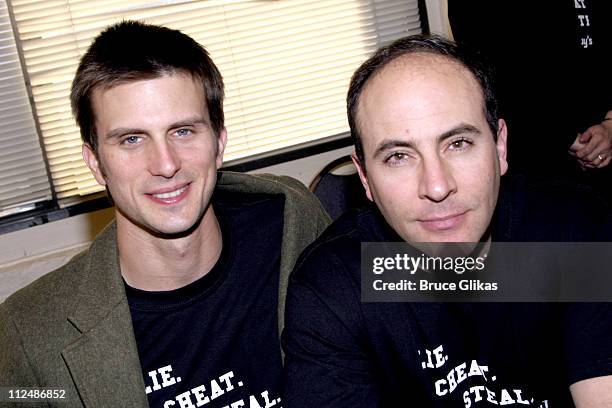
{"type": "Point", "coordinates": [179, 302]}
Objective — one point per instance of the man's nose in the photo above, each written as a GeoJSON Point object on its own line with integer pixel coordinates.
{"type": "Point", "coordinates": [437, 181]}
{"type": "Point", "coordinates": [163, 159]}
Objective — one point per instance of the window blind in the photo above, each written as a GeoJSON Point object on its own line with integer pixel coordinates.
{"type": "Point", "coordinates": [23, 175]}
{"type": "Point", "coordinates": [286, 65]}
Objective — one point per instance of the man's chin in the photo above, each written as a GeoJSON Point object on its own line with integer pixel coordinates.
{"type": "Point", "coordinates": [444, 242]}
{"type": "Point", "coordinates": [171, 228]}
{"type": "Point", "coordinates": [443, 236]}
{"type": "Point", "coordinates": [447, 249]}
{"type": "Point", "coordinates": [166, 225]}
{"type": "Point", "coordinates": [176, 230]}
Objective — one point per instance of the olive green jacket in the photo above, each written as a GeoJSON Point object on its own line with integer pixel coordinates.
{"type": "Point", "coordinates": [72, 330]}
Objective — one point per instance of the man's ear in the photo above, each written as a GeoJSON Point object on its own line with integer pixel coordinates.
{"type": "Point", "coordinates": [502, 146]}
{"type": "Point", "coordinates": [221, 143]}
{"type": "Point", "coordinates": [362, 175]}
{"type": "Point", "coordinates": [91, 159]}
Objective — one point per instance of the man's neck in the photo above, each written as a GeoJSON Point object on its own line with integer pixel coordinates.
{"type": "Point", "coordinates": [153, 263]}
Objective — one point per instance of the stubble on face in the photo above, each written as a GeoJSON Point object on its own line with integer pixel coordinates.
{"type": "Point", "coordinates": [432, 163]}
{"type": "Point", "coordinates": [172, 147]}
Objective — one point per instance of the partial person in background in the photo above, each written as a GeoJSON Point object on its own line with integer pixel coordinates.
{"type": "Point", "coordinates": [552, 61]}
{"type": "Point", "coordinates": [180, 300]}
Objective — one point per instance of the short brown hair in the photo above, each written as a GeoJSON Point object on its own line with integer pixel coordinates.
{"type": "Point", "coordinates": [132, 51]}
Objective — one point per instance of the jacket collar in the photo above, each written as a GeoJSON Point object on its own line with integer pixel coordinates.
{"type": "Point", "coordinates": [102, 289]}
{"type": "Point", "coordinates": [103, 361]}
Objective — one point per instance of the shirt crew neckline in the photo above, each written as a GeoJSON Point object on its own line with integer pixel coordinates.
{"type": "Point", "coordinates": [145, 300]}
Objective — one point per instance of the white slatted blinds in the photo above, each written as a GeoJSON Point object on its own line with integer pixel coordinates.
{"type": "Point", "coordinates": [286, 64]}
{"type": "Point", "coordinates": [23, 176]}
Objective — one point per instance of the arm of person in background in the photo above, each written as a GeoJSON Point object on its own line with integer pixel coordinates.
{"type": "Point", "coordinates": [593, 393]}
{"type": "Point", "coordinates": [593, 147]}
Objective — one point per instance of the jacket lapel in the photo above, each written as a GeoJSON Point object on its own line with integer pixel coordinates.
{"type": "Point", "coordinates": [103, 361]}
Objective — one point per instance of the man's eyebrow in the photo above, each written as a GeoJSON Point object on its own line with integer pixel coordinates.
{"type": "Point", "coordinates": [458, 130]}
{"type": "Point", "coordinates": [118, 132]}
{"type": "Point", "coordinates": [196, 120]}
{"type": "Point", "coordinates": [391, 143]}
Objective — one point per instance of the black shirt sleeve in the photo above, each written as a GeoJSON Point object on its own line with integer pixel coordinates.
{"type": "Point", "coordinates": [588, 339]}
{"type": "Point", "coordinates": [326, 359]}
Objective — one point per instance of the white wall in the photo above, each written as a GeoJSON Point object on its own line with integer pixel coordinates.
{"type": "Point", "coordinates": [437, 17]}
{"type": "Point", "coordinates": [30, 253]}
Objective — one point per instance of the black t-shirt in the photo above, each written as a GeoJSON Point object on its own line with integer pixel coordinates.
{"type": "Point", "coordinates": [551, 63]}
{"type": "Point", "coordinates": [215, 341]}
{"type": "Point", "coordinates": [341, 352]}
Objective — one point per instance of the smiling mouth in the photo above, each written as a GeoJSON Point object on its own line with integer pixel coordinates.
{"type": "Point", "coordinates": [170, 197]}
{"type": "Point", "coordinates": [170, 194]}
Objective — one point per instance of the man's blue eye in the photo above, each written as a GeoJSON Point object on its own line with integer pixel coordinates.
{"type": "Point", "coordinates": [183, 132]}
{"type": "Point", "coordinates": [131, 140]}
